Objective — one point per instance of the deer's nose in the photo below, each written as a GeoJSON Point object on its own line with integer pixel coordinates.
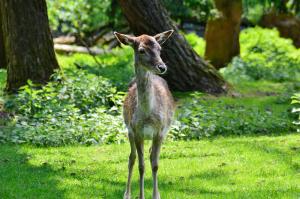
{"type": "Point", "coordinates": [162, 68]}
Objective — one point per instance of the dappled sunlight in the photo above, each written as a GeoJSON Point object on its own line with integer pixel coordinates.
{"type": "Point", "coordinates": [242, 167]}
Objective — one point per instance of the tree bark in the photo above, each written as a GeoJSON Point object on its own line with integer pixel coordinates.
{"type": "Point", "coordinates": [28, 42]}
{"type": "Point", "coordinates": [288, 25]}
{"type": "Point", "coordinates": [187, 71]}
{"type": "Point", "coordinates": [222, 33]}
{"type": "Point", "coordinates": [2, 52]}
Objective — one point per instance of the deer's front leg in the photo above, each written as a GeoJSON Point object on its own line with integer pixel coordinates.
{"type": "Point", "coordinates": [139, 143]}
{"type": "Point", "coordinates": [131, 161]}
{"type": "Point", "coordinates": [154, 158]}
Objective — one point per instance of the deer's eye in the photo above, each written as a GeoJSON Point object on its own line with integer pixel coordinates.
{"type": "Point", "coordinates": [142, 51]}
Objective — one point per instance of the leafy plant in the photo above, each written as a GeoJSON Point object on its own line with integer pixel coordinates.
{"type": "Point", "coordinates": [196, 42]}
{"type": "Point", "coordinates": [201, 117]}
{"type": "Point", "coordinates": [296, 109]}
{"type": "Point", "coordinates": [81, 108]}
{"type": "Point", "coordinates": [72, 15]}
{"type": "Point", "coordinates": [189, 10]}
{"type": "Point", "coordinates": [264, 55]}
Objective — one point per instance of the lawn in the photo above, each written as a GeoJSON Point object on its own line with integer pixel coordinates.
{"type": "Point", "coordinates": [244, 167]}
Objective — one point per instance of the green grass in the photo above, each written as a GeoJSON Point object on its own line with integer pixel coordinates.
{"type": "Point", "coordinates": [262, 167]}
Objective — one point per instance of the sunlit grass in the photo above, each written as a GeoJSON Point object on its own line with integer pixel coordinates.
{"type": "Point", "coordinates": [263, 167]}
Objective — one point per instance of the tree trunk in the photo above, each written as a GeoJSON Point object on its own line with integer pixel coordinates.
{"type": "Point", "coordinates": [2, 53]}
{"type": "Point", "coordinates": [288, 25]}
{"type": "Point", "coordinates": [222, 33]}
{"type": "Point", "coordinates": [28, 42]}
{"type": "Point", "coordinates": [186, 71]}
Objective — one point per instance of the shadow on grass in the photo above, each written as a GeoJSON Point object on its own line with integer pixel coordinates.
{"type": "Point", "coordinates": [108, 179]}
{"type": "Point", "coordinates": [281, 155]}
{"type": "Point", "coordinates": [20, 179]}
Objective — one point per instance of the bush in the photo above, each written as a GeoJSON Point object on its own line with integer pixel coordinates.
{"type": "Point", "coordinates": [189, 10]}
{"type": "Point", "coordinates": [69, 16]}
{"type": "Point", "coordinates": [116, 66]}
{"type": "Point", "coordinates": [203, 117]}
{"type": "Point", "coordinates": [83, 108]}
{"type": "Point", "coordinates": [296, 109]}
{"type": "Point", "coordinates": [196, 42]}
{"type": "Point", "coordinates": [264, 55]}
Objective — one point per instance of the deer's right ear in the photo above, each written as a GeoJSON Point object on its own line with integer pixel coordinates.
{"type": "Point", "coordinates": [125, 39]}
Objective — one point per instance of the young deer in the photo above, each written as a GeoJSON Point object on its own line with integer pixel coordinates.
{"type": "Point", "coordinates": [149, 105]}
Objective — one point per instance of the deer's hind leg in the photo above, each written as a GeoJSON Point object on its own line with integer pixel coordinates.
{"type": "Point", "coordinates": [131, 162]}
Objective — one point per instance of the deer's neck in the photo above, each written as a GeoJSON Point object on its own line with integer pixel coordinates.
{"type": "Point", "coordinates": [145, 90]}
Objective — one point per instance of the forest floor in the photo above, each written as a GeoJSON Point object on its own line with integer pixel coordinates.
{"type": "Point", "coordinates": [232, 167]}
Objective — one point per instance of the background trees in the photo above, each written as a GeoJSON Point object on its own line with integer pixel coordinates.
{"type": "Point", "coordinates": [28, 42]}
{"type": "Point", "coordinates": [222, 33]}
{"type": "Point", "coordinates": [187, 70]}
{"type": "Point", "coordinates": [2, 53]}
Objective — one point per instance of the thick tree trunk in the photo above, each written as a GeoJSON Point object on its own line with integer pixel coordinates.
{"type": "Point", "coordinates": [2, 52]}
{"type": "Point", "coordinates": [186, 70]}
{"type": "Point", "coordinates": [288, 25]}
{"type": "Point", "coordinates": [222, 33]}
{"type": "Point", "coordinates": [28, 42]}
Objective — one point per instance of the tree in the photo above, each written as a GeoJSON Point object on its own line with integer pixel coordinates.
{"type": "Point", "coordinates": [28, 42]}
{"type": "Point", "coordinates": [2, 53]}
{"type": "Point", "coordinates": [187, 71]}
{"type": "Point", "coordinates": [222, 33]}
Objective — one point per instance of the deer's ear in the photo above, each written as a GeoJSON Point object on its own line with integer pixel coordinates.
{"type": "Point", "coordinates": [162, 37]}
{"type": "Point", "coordinates": [125, 39]}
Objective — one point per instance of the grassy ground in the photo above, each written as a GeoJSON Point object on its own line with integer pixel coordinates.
{"type": "Point", "coordinates": [245, 167]}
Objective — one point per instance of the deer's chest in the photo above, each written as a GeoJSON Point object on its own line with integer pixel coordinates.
{"type": "Point", "coordinates": [146, 125]}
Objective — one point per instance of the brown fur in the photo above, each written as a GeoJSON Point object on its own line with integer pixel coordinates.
{"type": "Point", "coordinates": [162, 92]}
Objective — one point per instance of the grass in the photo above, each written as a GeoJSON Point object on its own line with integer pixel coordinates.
{"type": "Point", "coordinates": [261, 167]}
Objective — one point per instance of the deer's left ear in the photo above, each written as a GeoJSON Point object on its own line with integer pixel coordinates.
{"type": "Point", "coordinates": [125, 39]}
{"type": "Point", "coordinates": [162, 37]}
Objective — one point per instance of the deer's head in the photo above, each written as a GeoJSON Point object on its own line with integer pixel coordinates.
{"type": "Point", "coordinates": [147, 50]}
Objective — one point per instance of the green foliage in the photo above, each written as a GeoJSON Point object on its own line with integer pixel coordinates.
{"type": "Point", "coordinates": [264, 55]}
{"type": "Point", "coordinates": [189, 10]}
{"type": "Point", "coordinates": [196, 42]}
{"type": "Point", "coordinates": [254, 9]}
{"type": "Point", "coordinates": [116, 66]}
{"type": "Point", "coordinates": [82, 108]}
{"type": "Point", "coordinates": [254, 13]}
{"type": "Point", "coordinates": [200, 117]}
{"type": "Point", "coordinates": [73, 16]}
{"type": "Point", "coordinates": [296, 109]}
{"type": "Point", "coordinates": [2, 81]}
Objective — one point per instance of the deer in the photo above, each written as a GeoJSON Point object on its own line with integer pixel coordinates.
{"type": "Point", "coordinates": [148, 107]}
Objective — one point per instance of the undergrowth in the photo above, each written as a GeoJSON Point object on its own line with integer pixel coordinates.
{"type": "Point", "coordinates": [82, 105]}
